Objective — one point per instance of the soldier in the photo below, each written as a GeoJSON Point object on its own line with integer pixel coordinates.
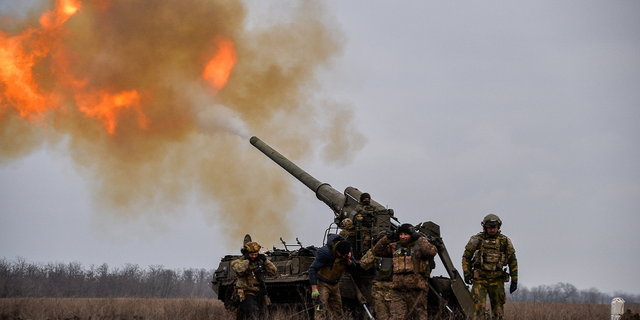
{"type": "Point", "coordinates": [348, 229]}
{"type": "Point", "coordinates": [410, 282]}
{"type": "Point", "coordinates": [482, 263]}
{"type": "Point", "coordinates": [251, 269]}
{"type": "Point", "coordinates": [381, 290]}
{"type": "Point", "coordinates": [363, 220]}
{"type": "Point", "coordinates": [330, 264]}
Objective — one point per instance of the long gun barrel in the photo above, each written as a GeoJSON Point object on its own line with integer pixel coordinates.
{"type": "Point", "coordinates": [325, 193]}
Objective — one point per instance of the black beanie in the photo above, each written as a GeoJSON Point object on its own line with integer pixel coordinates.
{"type": "Point", "coordinates": [343, 247]}
{"type": "Point", "coordinates": [406, 228]}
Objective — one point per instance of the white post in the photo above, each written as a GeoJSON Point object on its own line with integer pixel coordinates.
{"type": "Point", "coordinates": [617, 308]}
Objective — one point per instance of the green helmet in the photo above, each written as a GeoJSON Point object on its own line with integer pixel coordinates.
{"type": "Point", "coordinates": [491, 221]}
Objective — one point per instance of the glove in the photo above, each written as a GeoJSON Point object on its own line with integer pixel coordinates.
{"type": "Point", "coordinates": [415, 236]}
{"type": "Point", "coordinates": [468, 279]}
{"type": "Point", "coordinates": [262, 257]}
{"type": "Point", "coordinates": [393, 236]}
{"type": "Point", "coordinates": [513, 287]}
{"type": "Point", "coordinates": [315, 294]}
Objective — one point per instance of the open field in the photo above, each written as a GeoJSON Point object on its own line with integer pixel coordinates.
{"type": "Point", "coordinates": [183, 309]}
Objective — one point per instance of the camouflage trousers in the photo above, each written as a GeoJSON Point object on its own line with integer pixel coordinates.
{"type": "Point", "coordinates": [381, 292]}
{"type": "Point", "coordinates": [329, 304]}
{"type": "Point", "coordinates": [494, 287]}
{"type": "Point", "coordinates": [405, 303]}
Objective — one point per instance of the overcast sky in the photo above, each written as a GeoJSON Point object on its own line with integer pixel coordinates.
{"type": "Point", "coordinates": [527, 110]}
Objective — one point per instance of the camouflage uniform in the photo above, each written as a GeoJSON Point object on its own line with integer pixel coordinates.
{"type": "Point", "coordinates": [484, 258]}
{"type": "Point", "coordinates": [411, 272]}
{"type": "Point", "coordinates": [363, 220]}
{"type": "Point", "coordinates": [381, 290]}
{"type": "Point", "coordinates": [249, 287]}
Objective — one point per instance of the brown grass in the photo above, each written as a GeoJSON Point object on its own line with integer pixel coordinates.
{"type": "Point", "coordinates": [195, 309]}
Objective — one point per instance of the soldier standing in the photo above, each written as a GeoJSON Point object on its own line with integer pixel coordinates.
{"type": "Point", "coordinates": [330, 264]}
{"type": "Point", "coordinates": [363, 220]}
{"type": "Point", "coordinates": [381, 290]}
{"type": "Point", "coordinates": [251, 269]}
{"type": "Point", "coordinates": [482, 263]}
{"type": "Point", "coordinates": [410, 253]}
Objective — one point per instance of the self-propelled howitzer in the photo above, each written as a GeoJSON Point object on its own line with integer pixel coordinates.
{"type": "Point", "coordinates": [290, 288]}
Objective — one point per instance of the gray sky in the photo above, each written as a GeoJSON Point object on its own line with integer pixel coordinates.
{"type": "Point", "coordinates": [527, 110]}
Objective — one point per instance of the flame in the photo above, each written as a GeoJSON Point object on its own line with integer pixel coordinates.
{"type": "Point", "coordinates": [219, 67]}
{"type": "Point", "coordinates": [106, 106]}
{"type": "Point", "coordinates": [64, 9]}
{"type": "Point", "coordinates": [16, 77]}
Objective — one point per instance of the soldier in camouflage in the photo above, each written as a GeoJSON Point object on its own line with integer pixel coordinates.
{"type": "Point", "coordinates": [410, 253]}
{"type": "Point", "coordinates": [381, 290]}
{"type": "Point", "coordinates": [363, 221]}
{"type": "Point", "coordinates": [251, 269]}
{"type": "Point", "coordinates": [483, 260]}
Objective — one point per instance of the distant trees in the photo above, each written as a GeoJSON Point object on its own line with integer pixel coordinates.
{"type": "Point", "coordinates": [566, 292]}
{"type": "Point", "coordinates": [56, 279]}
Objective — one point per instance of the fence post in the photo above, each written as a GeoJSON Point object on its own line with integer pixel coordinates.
{"type": "Point", "coordinates": [617, 308]}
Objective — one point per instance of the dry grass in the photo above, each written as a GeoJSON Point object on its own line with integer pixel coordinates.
{"type": "Point", "coordinates": [561, 311]}
{"type": "Point", "coordinates": [194, 309]}
{"type": "Point", "coordinates": [111, 308]}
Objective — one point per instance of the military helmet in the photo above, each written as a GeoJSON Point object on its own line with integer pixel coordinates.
{"type": "Point", "coordinates": [491, 221]}
{"type": "Point", "coordinates": [347, 224]}
{"type": "Point", "coordinates": [364, 195]}
{"type": "Point", "coordinates": [252, 247]}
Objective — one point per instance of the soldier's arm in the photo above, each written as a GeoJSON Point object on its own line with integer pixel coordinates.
{"type": "Point", "coordinates": [426, 250]}
{"type": "Point", "coordinates": [512, 261]}
{"type": "Point", "coordinates": [240, 266]}
{"type": "Point", "coordinates": [383, 248]}
{"type": "Point", "coordinates": [270, 269]}
{"type": "Point", "coordinates": [368, 260]}
{"type": "Point", "coordinates": [467, 256]}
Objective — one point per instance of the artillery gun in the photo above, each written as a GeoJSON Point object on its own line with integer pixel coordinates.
{"type": "Point", "coordinates": [290, 287]}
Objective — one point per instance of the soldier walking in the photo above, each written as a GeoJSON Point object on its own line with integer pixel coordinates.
{"type": "Point", "coordinates": [410, 253]}
{"type": "Point", "coordinates": [330, 264]}
{"type": "Point", "coordinates": [482, 263]}
{"type": "Point", "coordinates": [251, 269]}
{"type": "Point", "coordinates": [381, 290]}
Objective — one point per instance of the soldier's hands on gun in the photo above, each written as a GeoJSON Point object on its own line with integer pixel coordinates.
{"type": "Point", "coordinates": [262, 257]}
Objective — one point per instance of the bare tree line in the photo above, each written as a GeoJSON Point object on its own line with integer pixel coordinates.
{"type": "Point", "coordinates": [20, 278]}
{"type": "Point", "coordinates": [568, 293]}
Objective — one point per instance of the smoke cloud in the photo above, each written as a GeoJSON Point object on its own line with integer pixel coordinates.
{"type": "Point", "coordinates": [122, 81]}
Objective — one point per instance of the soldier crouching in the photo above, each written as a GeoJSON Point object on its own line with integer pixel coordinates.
{"type": "Point", "coordinates": [410, 282]}
{"type": "Point", "coordinates": [251, 269]}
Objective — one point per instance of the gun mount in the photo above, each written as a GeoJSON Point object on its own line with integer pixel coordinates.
{"type": "Point", "coordinates": [290, 287]}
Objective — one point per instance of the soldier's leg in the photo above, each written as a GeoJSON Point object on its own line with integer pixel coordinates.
{"type": "Point", "coordinates": [398, 305]}
{"type": "Point", "coordinates": [322, 304]}
{"type": "Point", "coordinates": [419, 304]}
{"type": "Point", "coordinates": [381, 293]}
{"type": "Point", "coordinates": [497, 298]}
{"type": "Point", "coordinates": [479, 295]}
{"type": "Point", "coordinates": [250, 307]}
{"type": "Point", "coordinates": [335, 302]}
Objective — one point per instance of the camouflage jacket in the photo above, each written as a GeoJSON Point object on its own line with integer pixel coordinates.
{"type": "Point", "coordinates": [250, 273]}
{"type": "Point", "coordinates": [363, 217]}
{"type": "Point", "coordinates": [488, 255]}
{"type": "Point", "coordinates": [410, 262]}
{"type": "Point", "coordinates": [382, 266]}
